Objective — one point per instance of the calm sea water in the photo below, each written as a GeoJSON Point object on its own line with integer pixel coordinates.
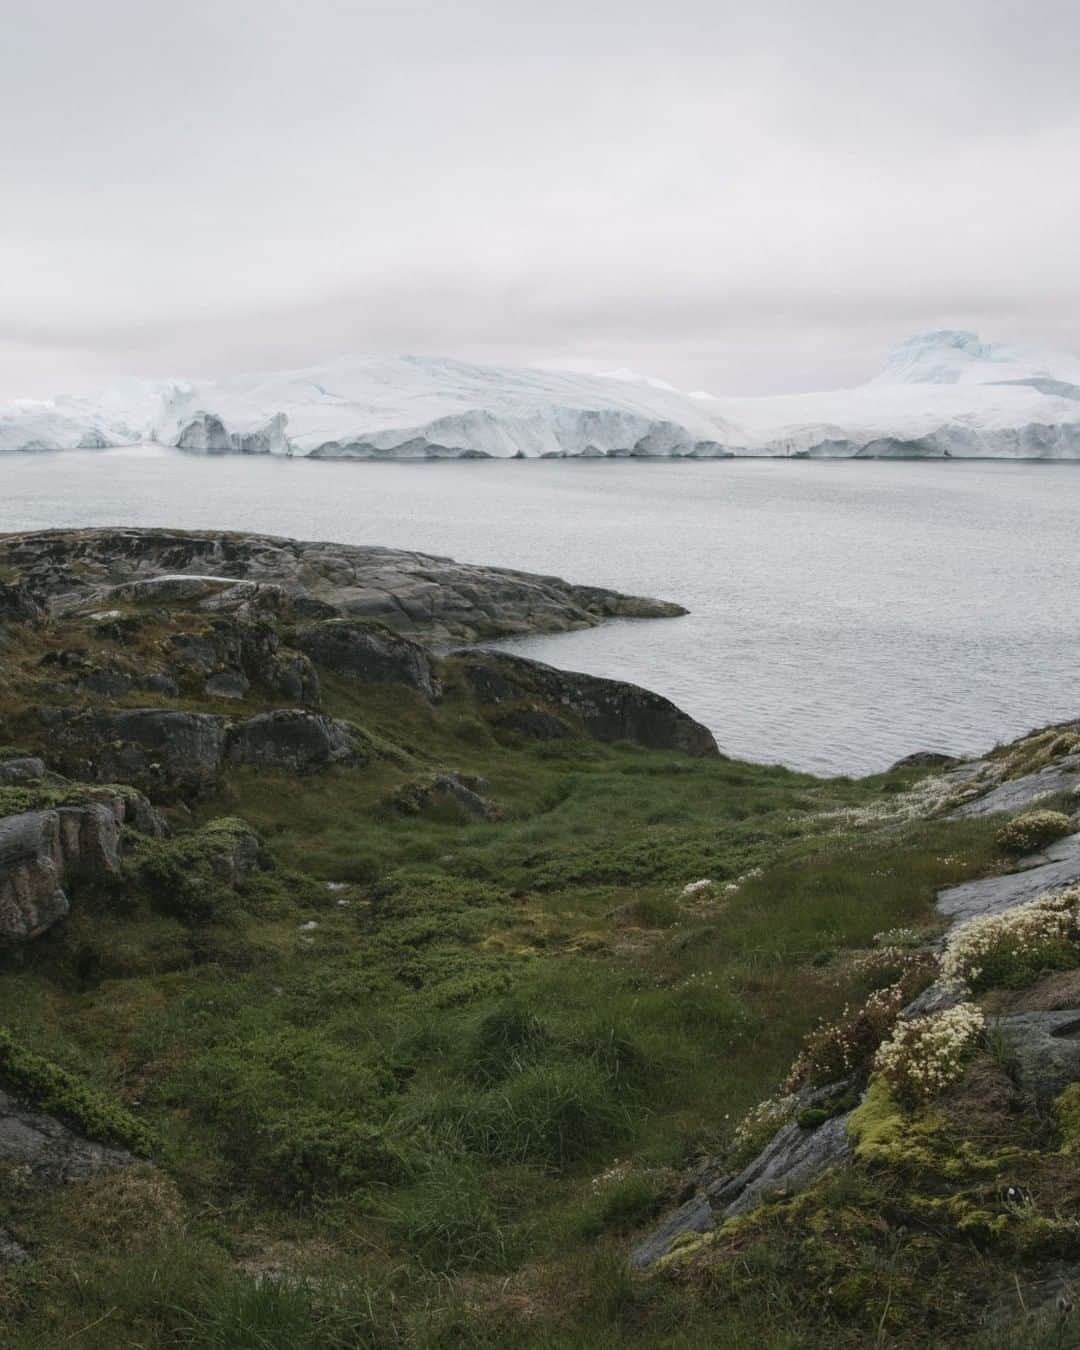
{"type": "Point", "coordinates": [842, 614]}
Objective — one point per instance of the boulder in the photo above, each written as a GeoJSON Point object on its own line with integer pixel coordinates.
{"type": "Point", "coordinates": [40, 849]}
{"type": "Point", "coordinates": [608, 710]}
{"type": "Point", "coordinates": [290, 739]}
{"type": "Point", "coordinates": [369, 655]}
{"type": "Point", "coordinates": [149, 747]}
{"type": "Point", "coordinates": [445, 789]}
{"type": "Point", "coordinates": [926, 759]}
{"type": "Point", "coordinates": [31, 869]}
{"type": "Point", "coordinates": [1044, 1048]}
{"type": "Point", "coordinates": [21, 770]}
{"type": "Point", "coordinates": [48, 1150]}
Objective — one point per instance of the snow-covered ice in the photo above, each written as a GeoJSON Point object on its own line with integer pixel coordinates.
{"type": "Point", "coordinates": [939, 394]}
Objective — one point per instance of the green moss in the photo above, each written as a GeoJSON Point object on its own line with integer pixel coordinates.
{"type": "Point", "coordinates": [55, 1090]}
{"type": "Point", "coordinates": [1067, 1114]}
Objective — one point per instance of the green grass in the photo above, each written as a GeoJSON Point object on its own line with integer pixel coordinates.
{"type": "Point", "coordinates": [459, 1095]}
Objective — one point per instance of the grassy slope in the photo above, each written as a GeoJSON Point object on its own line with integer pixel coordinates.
{"type": "Point", "coordinates": [448, 1107]}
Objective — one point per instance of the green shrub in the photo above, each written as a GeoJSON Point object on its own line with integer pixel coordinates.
{"type": "Point", "coordinates": [1032, 831]}
{"type": "Point", "coordinates": [48, 1086]}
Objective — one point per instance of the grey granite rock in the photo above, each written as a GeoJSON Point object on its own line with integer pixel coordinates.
{"type": "Point", "coordinates": [290, 739]}
{"type": "Point", "coordinates": [609, 710]}
{"type": "Point", "coordinates": [1019, 793]}
{"type": "Point", "coordinates": [792, 1161]}
{"type": "Point", "coordinates": [413, 593]}
{"type": "Point", "coordinates": [12, 1253]}
{"type": "Point", "coordinates": [21, 770]}
{"type": "Point", "coordinates": [39, 849]}
{"type": "Point", "coordinates": [148, 747]}
{"type": "Point", "coordinates": [369, 655]}
{"type": "Point", "coordinates": [1044, 1048]}
{"type": "Point", "coordinates": [1056, 866]}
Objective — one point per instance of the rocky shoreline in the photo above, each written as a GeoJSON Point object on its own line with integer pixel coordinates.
{"type": "Point", "coordinates": [418, 594]}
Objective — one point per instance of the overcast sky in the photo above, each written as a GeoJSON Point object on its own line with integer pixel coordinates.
{"type": "Point", "coordinates": [743, 198]}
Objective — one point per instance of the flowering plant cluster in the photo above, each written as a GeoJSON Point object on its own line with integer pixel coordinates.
{"type": "Point", "coordinates": [1013, 948]}
{"type": "Point", "coordinates": [835, 1049]}
{"type": "Point", "coordinates": [898, 937]}
{"type": "Point", "coordinates": [923, 1056]}
{"type": "Point", "coordinates": [760, 1123]}
{"type": "Point", "coordinates": [1031, 831]}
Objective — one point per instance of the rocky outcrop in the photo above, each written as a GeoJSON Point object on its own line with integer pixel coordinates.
{"type": "Point", "coordinates": [608, 710]}
{"type": "Point", "coordinates": [1055, 867]}
{"type": "Point", "coordinates": [184, 752]}
{"type": "Point", "coordinates": [39, 850]}
{"type": "Point", "coordinates": [149, 747]}
{"type": "Point", "coordinates": [369, 655]}
{"type": "Point", "coordinates": [290, 739]}
{"type": "Point", "coordinates": [412, 593]}
{"type": "Point", "coordinates": [234, 653]}
{"type": "Point", "coordinates": [793, 1159]}
{"type": "Point", "coordinates": [1016, 794]}
{"type": "Point", "coordinates": [19, 604]}
{"type": "Point", "coordinates": [1043, 1050]}
{"type": "Point", "coordinates": [21, 770]}
{"type": "Point", "coordinates": [48, 1150]}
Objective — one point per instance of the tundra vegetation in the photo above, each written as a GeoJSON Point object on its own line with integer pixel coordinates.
{"type": "Point", "coordinates": [395, 1070]}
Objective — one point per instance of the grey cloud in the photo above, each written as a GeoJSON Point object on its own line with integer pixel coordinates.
{"type": "Point", "coordinates": [729, 197]}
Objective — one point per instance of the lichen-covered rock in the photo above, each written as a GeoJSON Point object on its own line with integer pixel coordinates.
{"type": "Point", "coordinates": [609, 710]}
{"type": "Point", "coordinates": [369, 655]}
{"type": "Point", "coordinates": [413, 593]}
{"type": "Point", "coordinates": [290, 739]}
{"type": "Point", "coordinates": [233, 654]}
{"type": "Point", "coordinates": [149, 747]}
{"type": "Point", "coordinates": [793, 1159]}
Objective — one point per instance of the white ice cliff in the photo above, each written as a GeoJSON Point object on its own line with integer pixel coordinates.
{"type": "Point", "coordinates": [940, 394]}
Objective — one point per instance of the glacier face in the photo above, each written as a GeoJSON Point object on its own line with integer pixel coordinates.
{"type": "Point", "coordinates": [943, 394]}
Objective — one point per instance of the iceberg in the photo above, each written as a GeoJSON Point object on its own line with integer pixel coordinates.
{"type": "Point", "coordinates": [939, 395]}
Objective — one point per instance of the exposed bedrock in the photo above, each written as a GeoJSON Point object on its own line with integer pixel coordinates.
{"type": "Point", "coordinates": [368, 655]}
{"type": "Point", "coordinates": [609, 710]}
{"type": "Point", "coordinates": [413, 593]}
{"type": "Point", "coordinates": [158, 748]}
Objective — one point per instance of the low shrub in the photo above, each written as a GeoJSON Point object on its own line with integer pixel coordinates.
{"type": "Point", "coordinates": [838, 1049]}
{"type": "Point", "coordinates": [926, 1054]}
{"type": "Point", "coordinates": [54, 1089]}
{"type": "Point", "coordinates": [1032, 831]}
{"type": "Point", "coordinates": [1011, 950]}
